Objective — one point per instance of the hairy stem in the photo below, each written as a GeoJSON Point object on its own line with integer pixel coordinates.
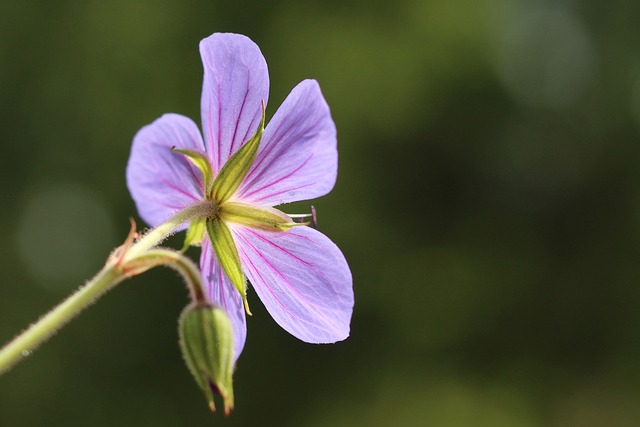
{"type": "Point", "coordinates": [120, 265]}
{"type": "Point", "coordinates": [39, 332]}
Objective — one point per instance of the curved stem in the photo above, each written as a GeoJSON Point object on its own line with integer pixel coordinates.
{"type": "Point", "coordinates": [111, 274]}
{"type": "Point", "coordinates": [22, 346]}
{"type": "Point", "coordinates": [172, 259]}
{"type": "Point", "coordinates": [156, 235]}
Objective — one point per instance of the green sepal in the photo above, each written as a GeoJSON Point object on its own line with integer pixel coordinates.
{"type": "Point", "coordinates": [195, 234]}
{"type": "Point", "coordinates": [206, 341]}
{"type": "Point", "coordinates": [227, 254]}
{"type": "Point", "coordinates": [261, 217]}
{"type": "Point", "coordinates": [201, 162]}
{"type": "Point", "coordinates": [236, 168]}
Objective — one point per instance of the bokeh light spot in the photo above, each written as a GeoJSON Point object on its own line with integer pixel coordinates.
{"type": "Point", "coordinates": [65, 233]}
{"type": "Point", "coordinates": [545, 57]}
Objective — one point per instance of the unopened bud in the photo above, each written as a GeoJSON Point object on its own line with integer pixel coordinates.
{"type": "Point", "coordinates": [206, 340]}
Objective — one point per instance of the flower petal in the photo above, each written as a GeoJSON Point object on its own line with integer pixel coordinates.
{"type": "Point", "coordinates": [298, 157]}
{"type": "Point", "coordinates": [302, 279]}
{"type": "Point", "coordinates": [162, 182]}
{"type": "Point", "coordinates": [221, 292]}
{"type": "Point", "coordinates": [236, 83]}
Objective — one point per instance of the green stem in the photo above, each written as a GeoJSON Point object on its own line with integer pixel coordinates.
{"type": "Point", "coordinates": [156, 235]}
{"type": "Point", "coordinates": [110, 275]}
{"type": "Point", "coordinates": [175, 260]}
{"type": "Point", "coordinates": [22, 346]}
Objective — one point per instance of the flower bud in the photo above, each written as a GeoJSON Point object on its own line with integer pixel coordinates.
{"type": "Point", "coordinates": [206, 341]}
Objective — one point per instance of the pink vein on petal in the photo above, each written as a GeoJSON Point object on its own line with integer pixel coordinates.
{"type": "Point", "coordinates": [249, 130]}
{"type": "Point", "coordinates": [257, 273]}
{"type": "Point", "coordinates": [178, 189]}
{"type": "Point", "coordinates": [177, 208]}
{"type": "Point", "coordinates": [289, 285]}
{"type": "Point", "coordinates": [255, 270]}
{"type": "Point", "coordinates": [285, 134]}
{"type": "Point", "coordinates": [279, 180]}
{"type": "Point", "coordinates": [244, 101]}
{"type": "Point", "coordinates": [286, 252]}
{"type": "Point", "coordinates": [222, 290]}
{"type": "Point", "coordinates": [197, 179]}
{"type": "Point", "coordinates": [273, 145]}
{"type": "Point", "coordinates": [286, 191]}
{"type": "Point", "coordinates": [219, 159]}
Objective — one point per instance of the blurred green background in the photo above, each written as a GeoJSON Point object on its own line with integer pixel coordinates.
{"type": "Point", "coordinates": [488, 203]}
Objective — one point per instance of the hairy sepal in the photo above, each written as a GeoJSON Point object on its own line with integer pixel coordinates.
{"type": "Point", "coordinates": [225, 248]}
{"type": "Point", "coordinates": [201, 162]}
{"type": "Point", "coordinates": [235, 170]}
{"type": "Point", "coordinates": [206, 341]}
{"type": "Point", "coordinates": [260, 217]}
{"type": "Point", "coordinates": [195, 234]}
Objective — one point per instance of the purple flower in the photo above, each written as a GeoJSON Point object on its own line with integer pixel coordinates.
{"type": "Point", "coordinates": [244, 169]}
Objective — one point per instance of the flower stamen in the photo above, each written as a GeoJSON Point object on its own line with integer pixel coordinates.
{"type": "Point", "coordinates": [301, 217]}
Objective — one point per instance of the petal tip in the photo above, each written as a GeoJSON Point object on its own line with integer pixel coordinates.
{"type": "Point", "coordinates": [230, 41]}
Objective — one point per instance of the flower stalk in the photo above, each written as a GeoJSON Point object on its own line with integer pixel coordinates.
{"type": "Point", "coordinates": [130, 259]}
{"type": "Point", "coordinates": [24, 344]}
